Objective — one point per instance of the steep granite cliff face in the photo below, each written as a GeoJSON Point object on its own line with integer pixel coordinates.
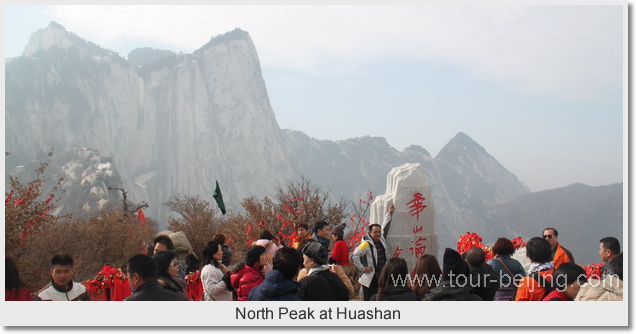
{"type": "Point", "coordinates": [173, 127]}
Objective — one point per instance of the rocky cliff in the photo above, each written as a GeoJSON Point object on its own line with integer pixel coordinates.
{"type": "Point", "coordinates": [173, 125]}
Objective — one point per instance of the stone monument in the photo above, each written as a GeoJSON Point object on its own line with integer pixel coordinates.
{"type": "Point", "coordinates": [412, 232]}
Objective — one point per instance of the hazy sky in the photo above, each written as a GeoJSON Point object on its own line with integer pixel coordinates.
{"type": "Point", "coordinates": [539, 87]}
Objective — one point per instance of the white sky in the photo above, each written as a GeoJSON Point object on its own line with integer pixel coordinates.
{"type": "Point", "coordinates": [539, 87]}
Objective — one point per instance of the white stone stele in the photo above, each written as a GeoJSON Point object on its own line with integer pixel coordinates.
{"type": "Point", "coordinates": [403, 183]}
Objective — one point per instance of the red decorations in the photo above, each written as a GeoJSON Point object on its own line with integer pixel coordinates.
{"type": "Point", "coordinates": [354, 239]}
{"type": "Point", "coordinates": [416, 205]}
{"type": "Point", "coordinates": [23, 198]}
{"type": "Point", "coordinates": [110, 284]}
{"type": "Point", "coordinates": [291, 237]}
{"type": "Point", "coordinates": [369, 197]}
{"type": "Point", "coordinates": [140, 216]}
{"type": "Point", "coordinates": [469, 240]}
{"type": "Point", "coordinates": [593, 271]}
{"type": "Point", "coordinates": [290, 209]}
{"type": "Point", "coordinates": [6, 200]}
{"type": "Point", "coordinates": [358, 223]}
{"type": "Point", "coordinates": [194, 286]}
{"type": "Point", "coordinates": [31, 223]}
{"type": "Point", "coordinates": [518, 243]}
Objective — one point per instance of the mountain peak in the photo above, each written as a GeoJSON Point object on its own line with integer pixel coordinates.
{"type": "Point", "coordinates": [234, 35]}
{"type": "Point", "coordinates": [55, 25]}
{"type": "Point", "coordinates": [463, 138]}
{"type": "Point", "coordinates": [54, 35]}
{"type": "Point", "coordinates": [461, 142]}
{"type": "Point", "coordinates": [464, 164]}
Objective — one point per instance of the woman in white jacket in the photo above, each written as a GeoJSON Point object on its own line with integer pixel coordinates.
{"type": "Point", "coordinates": [214, 288]}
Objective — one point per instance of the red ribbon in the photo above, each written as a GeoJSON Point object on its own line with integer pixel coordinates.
{"type": "Point", "coordinates": [6, 201]}
{"type": "Point", "coordinates": [24, 198]}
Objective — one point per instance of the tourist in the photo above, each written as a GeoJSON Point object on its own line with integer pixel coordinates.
{"type": "Point", "coordinates": [320, 283]}
{"type": "Point", "coordinates": [321, 234]}
{"type": "Point", "coordinates": [14, 289]}
{"type": "Point", "coordinates": [302, 235]}
{"type": "Point", "coordinates": [426, 275]}
{"type": "Point", "coordinates": [559, 253]}
{"type": "Point", "coordinates": [214, 287]}
{"type": "Point", "coordinates": [609, 288]}
{"type": "Point", "coordinates": [567, 279]}
{"type": "Point", "coordinates": [227, 252]}
{"type": "Point", "coordinates": [508, 270]}
{"type": "Point", "coordinates": [192, 264]}
{"type": "Point", "coordinates": [168, 270]}
{"type": "Point", "coordinates": [483, 280]}
{"type": "Point", "coordinates": [369, 258]}
{"type": "Point", "coordinates": [279, 284]}
{"type": "Point", "coordinates": [340, 252]}
{"type": "Point", "coordinates": [454, 285]}
{"type": "Point", "coordinates": [609, 248]}
{"type": "Point", "coordinates": [162, 243]}
{"type": "Point", "coordinates": [538, 282]}
{"type": "Point", "coordinates": [271, 245]}
{"type": "Point", "coordinates": [392, 283]}
{"type": "Point", "coordinates": [62, 287]}
{"type": "Point", "coordinates": [142, 276]}
{"type": "Point", "coordinates": [249, 275]}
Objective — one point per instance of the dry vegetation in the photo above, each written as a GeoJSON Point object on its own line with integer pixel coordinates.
{"type": "Point", "coordinates": [297, 201]}
{"type": "Point", "coordinates": [114, 236]}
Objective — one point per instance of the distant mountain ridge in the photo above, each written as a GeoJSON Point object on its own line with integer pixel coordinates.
{"type": "Point", "coordinates": [175, 123]}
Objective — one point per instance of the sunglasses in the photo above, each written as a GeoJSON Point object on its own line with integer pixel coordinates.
{"type": "Point", "coordinates": [548, 236]}
{"type": "Point", "coordinates": [174, 264]}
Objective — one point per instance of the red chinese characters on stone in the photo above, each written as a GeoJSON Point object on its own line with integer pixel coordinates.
{"type": "Point", "coordinates": [417, 205]}
{"type": "Point", "coordinates": [398, 251]}
{"type": "Point", "coordinates": [417, 229]}
{"type": "Point", "coordinates": [418, 249]}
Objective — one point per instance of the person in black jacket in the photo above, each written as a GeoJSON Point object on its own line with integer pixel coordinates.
{"type": "Point", "coordinates": [167, 271]}
{"type": "Point", "coordinates": [454, 284]}
{"type": "Point", "coordinates": [320, 283]}
{"type": "Point", "coordinates": [279, 282]}
{"type": "Point", "coordinates": [483, 279]}
{"type": "Point", "coordinates": [142, 275]}
{"type": "Point", "coordinates": [392, 284]}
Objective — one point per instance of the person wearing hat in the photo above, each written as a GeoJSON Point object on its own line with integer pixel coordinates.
{"type": "Point", "coordinates": [340, 252]}
{"type": "Point", "coordinates": [320, 283]}
{"type": "Point", "coordinates": [455, 283]}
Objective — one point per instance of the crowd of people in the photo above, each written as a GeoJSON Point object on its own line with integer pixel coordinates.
{"type": "Point", "coordinates": [312, 269]}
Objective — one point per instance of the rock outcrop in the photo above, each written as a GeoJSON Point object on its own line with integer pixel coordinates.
{"type": "Point", "coordinates": [412, 231]}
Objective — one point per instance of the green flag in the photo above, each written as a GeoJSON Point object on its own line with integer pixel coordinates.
{"type": "Point", "coordinates": [218, 197]}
